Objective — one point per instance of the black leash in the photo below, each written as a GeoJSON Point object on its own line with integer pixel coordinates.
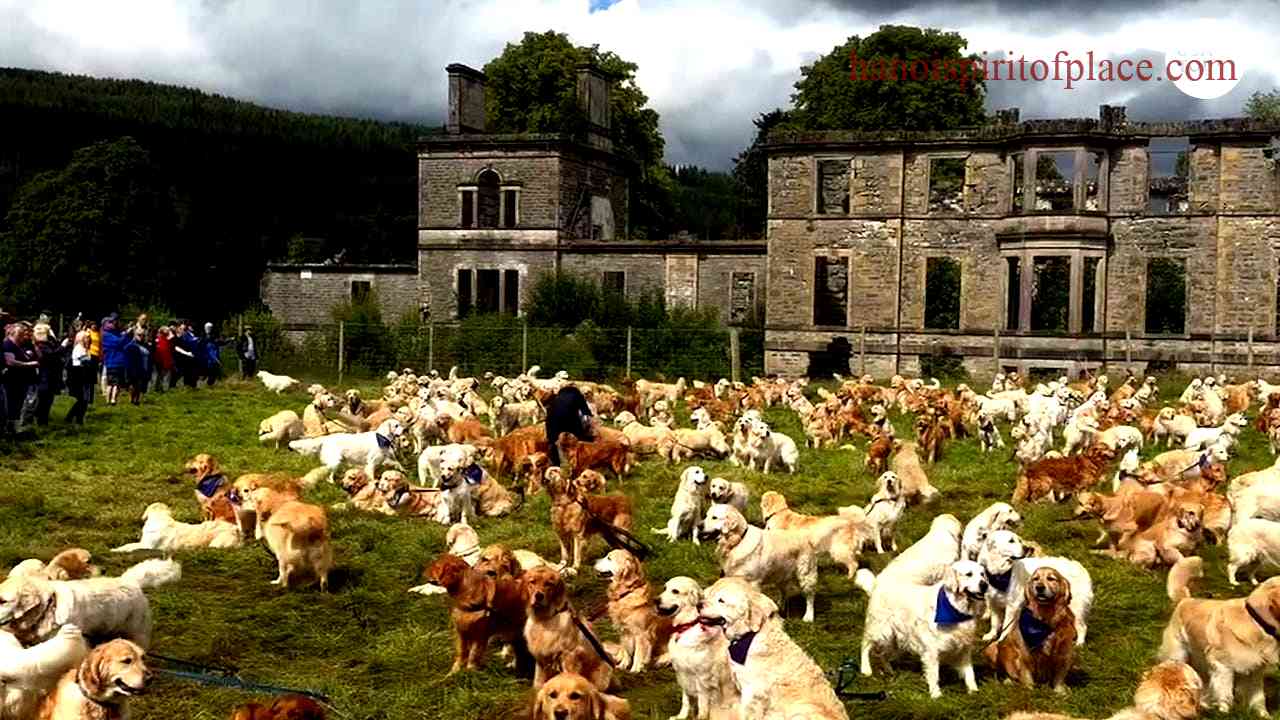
{"type": "Point", "coordinates": [618, 538]}
{"type": "Point", "coordinates": [592, 639]}
{"type": "Point", "coordinates": [224, 677]}
{"type": "Point", "coordinates": [844, 676]}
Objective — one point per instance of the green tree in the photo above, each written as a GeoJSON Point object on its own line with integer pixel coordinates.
{"type": "Point", "coordinates": [532, 87]}
{"type": "Point", "coordinates": [1264, 106]}
{"type": "Point", "coordinates": [829, 97]}
{"type": "Point", "coordinates": [94, 235]}
{"type": "Point", "coordinates": [751, 173]}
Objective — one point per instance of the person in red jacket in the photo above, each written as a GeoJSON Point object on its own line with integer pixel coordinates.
{"type": "Point", "coordinates": [166, 372]}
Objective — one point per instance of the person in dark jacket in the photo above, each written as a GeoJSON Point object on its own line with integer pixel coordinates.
{"type": "Point", "coordinates": [113, 359]}
{"type": "Point", "coordinates": [184, 354]}
{"type": "Point", "coordinates": [567, 412]}
{"type": "Point", "coordinates": [20, 370]}
{"type": "Point", "coordinates": [81, 376]}
{"type": "Point", "coordinates": [209, 355]}
{"type": "Point", "coordinates": [137, 365]}
{"type": "Point", "coordinates": [51, 355]}
{"type": "Point", "coordinates": [247, 350]}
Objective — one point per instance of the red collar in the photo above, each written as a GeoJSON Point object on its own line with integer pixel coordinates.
{"type": "Point", "coordinates": [676, 630]}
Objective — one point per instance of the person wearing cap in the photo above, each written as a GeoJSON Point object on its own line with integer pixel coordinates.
{"type": "Point", "coordinates": [50, 354]}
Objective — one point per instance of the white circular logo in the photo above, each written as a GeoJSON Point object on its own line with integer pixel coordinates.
{"type": "Point", "coordinates": [1202, 72]}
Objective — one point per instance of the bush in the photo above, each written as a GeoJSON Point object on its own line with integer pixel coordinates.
{"type": "Point", "coordinates": [369, 345]}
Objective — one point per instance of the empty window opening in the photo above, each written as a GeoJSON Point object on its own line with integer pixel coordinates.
{"type": "Point", "coordinates": [510, 208]}
{"type": "Point", "coordinates": [1050, 294]}
{"type": "Point", "coordinates": [1055, 181]}
{"type": "Point", "coordinates": [831, 291]}
{"type": "Point", "coordinates": [487, 291]}
{"type": "Point", "coordinates": [1166, 296]}
{"type": "Point", "coordinates": [1089, 295]}
{"type": "Point", "coordinates": [942, 294]}
{"type": "Point", "coordinates": [360, 290]}
{"type": "Point", "coordinates": [946, 185]}
{"type": "Point", "coordinates": [1013, 300]}
{"type": "Point", "coordinates": [487, 200]}
{"type": "Point", "coordinates": [464, 293]}
{"type": "Point", "coordinates": [1092, 173]}
{"type": "Point", "coordinates": [615, 284]}
{"type": "Point", "coordinates": [1168, 170]}
{"type": "Point", "coordinates": [1018, 187]}
{"type": "Point", "coordinates": [511, 292]}
{"type": "Point", "coordinates": [468, 219]}
{"type": "Point", "coordinates": [742, 298]}
{"type": "Point", "coordinates": [833, 186]}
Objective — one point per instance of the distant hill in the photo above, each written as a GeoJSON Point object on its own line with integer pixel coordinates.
{"type": "Point", "coordinates": [244, 179]}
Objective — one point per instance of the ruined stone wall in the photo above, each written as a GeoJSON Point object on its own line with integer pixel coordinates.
{"type": "Point", "coordinates": [438, 273]}
{"type": "Point", "coordinates": [716, 285]}
{"type": "Point", "coordinates": [439, 176]}
{"type": "Point", "coordinates": [973, 244]}
{"type": "Point", "coordinates": [1136, 241]}
{"type": "Point", "coordinates": [581, 178]}
{"type": "Point", "coordinates": [876, 184]}
{"type": "Point", "coordinates": [644, 273]}
{"type": "Point", "coordinates": [303, 296]}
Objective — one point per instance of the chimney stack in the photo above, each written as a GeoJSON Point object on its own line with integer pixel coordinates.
{"type": "Point", "coordinates": [1112, 117]}
{"type": "Point", "coordinates": [593, 98]}
{"type": "Point", "coordinates": [466, 99]}
{"type": "Point", "coordinates": [1007, 116]}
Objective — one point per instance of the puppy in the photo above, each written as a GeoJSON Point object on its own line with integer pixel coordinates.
{"type": "Point", "coordinates": [699, 653]}
{"type": "Point", "coordinates": [1039, 648]}
{"type": "Point", "coordinates": [687, 506]}
{"type": "Point", "coordinates": [729, 493]}
{"type": "Point", "coordinates": [297, 533]}
{"type": "Point", "coordinates": [553, 635]}
{"type": "Point", "coordinates": [884, 511]}
{"type": "Point", "coordinates": [936, 622]}
{"type": "Point", "coordinates": [481, 607]}
{"type": "Point", "coordinates": [161, 532]}
{"type": "Point", "coordinates": [101, 686]}
{"type": "Point", "coordinates": [569, 696]}
{"type": "Point", "coordinates": [1232, 644]}
{"type": "Point", "coordinates": [784, 558]}
{"type": "Point", "coordinates": [777, 679]}
{"type": "Point", "coordinates": [643, 631]}
{"type": "Point", "coordinates": [839, 536]}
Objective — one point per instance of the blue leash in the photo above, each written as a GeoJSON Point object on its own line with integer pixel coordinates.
{"type": "Point", "coordinates": [222, 677]}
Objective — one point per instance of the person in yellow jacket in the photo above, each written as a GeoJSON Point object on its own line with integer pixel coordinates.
{"type": "Point", "coordinates": [95, 354]}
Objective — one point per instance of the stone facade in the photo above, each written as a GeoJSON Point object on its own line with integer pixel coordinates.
{"type": "Point", "coordinates": [1039, 288]}
{"type": "Point", "coordinates": [303, 296]}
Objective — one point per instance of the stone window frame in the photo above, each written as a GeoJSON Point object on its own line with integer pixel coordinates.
{"type": "Point", "coordinates": [1146, 151]}
{"type": "Point", "coordinates": [516, 189]}
{"type": "Point", "coordinates": [473, 187]}
{"type": "Point", "coordinates": [1031, 157]}
{"type": "Point", "coordinates": [1076, 250]}
{"type": "Point", "coordinates": [1186, 256]}
{"type": "Point", "coordinates": [925, 256]}
{"type": "Point", "coordinates": [928, 181]}
{"type": "Point", "coordinates": [816, 181]}
{"type": "Point", "coordinates": [755, 290]}
{"type": "Point", "coordinates": [604, 274]}
{"type": "Point", "coordinates": [366, 281]}
{"type": "Point", "coordinates": [501, 268]}
{"type": "Point", "coordinates": [847, 254]}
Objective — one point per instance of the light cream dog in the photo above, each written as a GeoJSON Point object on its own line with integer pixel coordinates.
{"type": "Point", "coordinates": [782, 558]}
{"type": "Point", "coordinates": [161, 532]}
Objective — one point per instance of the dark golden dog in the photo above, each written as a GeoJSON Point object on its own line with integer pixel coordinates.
{"type": "Point", "coordinates": [1040, 646]}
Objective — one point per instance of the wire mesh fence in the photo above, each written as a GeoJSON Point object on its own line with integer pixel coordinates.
{"type": "Point", "coordinates": [507, 347]}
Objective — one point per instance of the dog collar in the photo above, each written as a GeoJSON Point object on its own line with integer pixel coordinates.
{"type": "Point", "coordinates": [1267, 627]}
{"type": "Point", "coordinates": [946, 613]}
{"type": "Point", "coordinates": [210, 484]}
{"type": "Point", "coordinates": [110, 711]}
{"type": "Point", "coordinates": [1034, 630]}
{"type": "Point", "coordinates": [1001, 581]}
{"type": "Point", "coordinates": [384, 442]}
{"type": "Point", "coordinates": [739, 648]}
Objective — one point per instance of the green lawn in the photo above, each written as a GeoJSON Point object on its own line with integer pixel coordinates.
{"type": "Point", "coordinates": [380, 652]}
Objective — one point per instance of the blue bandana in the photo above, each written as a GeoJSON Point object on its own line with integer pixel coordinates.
{"type": "Point", "coordinates": [474, 474]}
{"type": "Point", "coordinates": [739, 648]}
{"type": "Point", "coordinates": [210, 484]}
{"type": "Point", "coordinates": [384, 442]}
{"type": "Point", "coordinates": [947, 614]}
{"type": "Point", "coordinates": [1001, 581]}
{"type": "Point", "coordinates": [1034, 631]}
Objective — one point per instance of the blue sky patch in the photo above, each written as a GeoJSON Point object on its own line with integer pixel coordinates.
{"type": "Point", "coordinates": [597, 5]}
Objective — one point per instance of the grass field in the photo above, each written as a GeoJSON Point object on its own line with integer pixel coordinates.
{"type": "Point", "coordinates": [380, 652]}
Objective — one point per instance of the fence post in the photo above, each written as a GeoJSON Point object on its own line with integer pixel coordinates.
{"type": "Point", "coordinates": [628, 351]}
{"type": "Point", "coordinates": [862, 352]}
{"type": "Point", "coordinates": [431, 345]}
{"type": "Point", "coordinates": [342, 330]}
{"type": "Point", "coordinates": [1250, 348]}
{"type": "Point", "coordinates": [735, 356]}
{"type": "Point", "coordinates": [240, 334]}
{"type": "Point", "coordinates": [1213, 351]}
{"type": "Point", "coordinates": [995, 347]}
{"type": "Point", "coordinates": [1128, 349]}
{"type": "Point", "coordinates": [524, 346]}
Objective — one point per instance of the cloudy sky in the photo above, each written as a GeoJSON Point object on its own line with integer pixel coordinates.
{"type": "Point", "coordinates": [708, 67]}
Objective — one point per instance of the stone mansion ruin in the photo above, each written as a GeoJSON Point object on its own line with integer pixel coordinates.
{"type": "Point", "coordinates": [1052, 245]}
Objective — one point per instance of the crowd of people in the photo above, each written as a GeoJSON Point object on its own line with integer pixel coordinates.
{"type": "Point", "coordinates": [103, 359]}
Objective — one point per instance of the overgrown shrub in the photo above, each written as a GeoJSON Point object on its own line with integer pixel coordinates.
{"type": "Point", "coordinates": [369, 345]}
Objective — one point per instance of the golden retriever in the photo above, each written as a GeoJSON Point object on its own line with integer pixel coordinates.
{"type": "Point", "coordinates": [1232, 644]}
{"type": "Point", "coordinates": [576, 515]}
{"type": "Point", "coordinates": [297, 533]}
{"type": "Point", "coordinates": [839, 536]}
{"type": "Point", "coordinates": [100, 688]}
{"type": "Point", "coordinates": [482, 607]}
{"type": "Point", "coordinates": [288, 707]}
{"type": "Point", "coordinates": [632, 611]}
{"type": "Point", "coordinates": [553, 635]}
{"type": "Point", "coordinates": [1040, 646]}
{"type": "Point", "coordinates": [569, 696]}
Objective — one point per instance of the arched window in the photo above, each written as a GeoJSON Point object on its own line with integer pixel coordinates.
{"type": "Point", "coordinates": [487, 199]}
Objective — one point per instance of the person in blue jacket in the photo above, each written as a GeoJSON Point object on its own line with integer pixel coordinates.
{"type": "Point", "coordinates": [210, 355]}
{"type": "Point", "coordinates": [113, 358]}
{"type": "Point", "coordinates": [137, 365]}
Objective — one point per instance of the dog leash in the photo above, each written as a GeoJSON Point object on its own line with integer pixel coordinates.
{"type": "Point", "coordinates": [225, 677]}
{"type": "Point", "coordinates": [845, 675]}
{"type": "Point", "coordinates": [593, 640]}
{"type": "Point", "coordinates": [618, 538]}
